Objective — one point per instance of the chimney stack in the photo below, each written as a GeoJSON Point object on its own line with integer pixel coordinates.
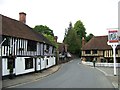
{"type": "Point", "coordinates": [55, 38]}
{"type": "Point", "coordinates": [22, 17]}
{"type": "Point", "coordinates": [83, 41]}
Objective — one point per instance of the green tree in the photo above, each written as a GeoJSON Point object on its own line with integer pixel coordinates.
{"type": "Point", "coordinates": [88, 37]}
{"type": "Point", "coordinates": [73, 37]}
{"type": "Point", "coordinates": [51, 39]}
{"type": "Point", "coordinates": [47, 32]}
{"type": "Point", "coordinates": [80, 29]}
{"type": "Point", "coordinates": [67, 31]}
{"type": "Point", "coordinates": [44, 30]}
{"type": "Point", "coordinates": [72, 40]}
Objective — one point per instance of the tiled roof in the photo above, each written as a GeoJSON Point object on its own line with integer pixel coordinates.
{"type": "Point", "coordinates": [98, 43]}
{"type": "Point", "coordinates": [14, 28]}
{"type": "Point", "coordinates": [61, 47]}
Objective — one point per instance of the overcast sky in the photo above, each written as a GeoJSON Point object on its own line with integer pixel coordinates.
{"type": "Point", "coordinates": [96, 15]}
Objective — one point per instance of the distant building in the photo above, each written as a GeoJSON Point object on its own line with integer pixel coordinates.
{"type": "Point", "coordinates": [23, 48]}
{"type": "Point", "coordinates": [97, 48]}
{"type": "Point", "coordinates": [62, 48]}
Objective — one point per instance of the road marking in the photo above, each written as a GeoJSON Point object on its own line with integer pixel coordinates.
{"type": "Point", "coordinates": [71, 61]}
{"type": "Point", "coordinates": [102, 71]}
{"type": "Point", "coordinates": [92, 67]}
{"type": "Point", "coordinates": [115, 84]}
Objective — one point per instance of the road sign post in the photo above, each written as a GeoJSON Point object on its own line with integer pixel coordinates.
{"type": "Point", "coordinates": [113, 40]}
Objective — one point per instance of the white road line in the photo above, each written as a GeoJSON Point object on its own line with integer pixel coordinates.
{"type": "Point", "coordinates": [115, 84]}
{"type": "Point", "coordinates": [102, 71]}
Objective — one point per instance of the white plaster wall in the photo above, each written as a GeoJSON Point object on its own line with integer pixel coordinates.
{"type": "Point", "coordinates": [5, 71]}
{"type": "Point", "coordinates": [43, 63]}
{"type": "Point", "coordinates": [54, 60]}
{"type": "Point", "coordinates": [38, 48]}
{"type": "Point", "coordinates": [20, 66]}
{"type": "Point", "coordinates": [38, 63]}
{"type": "Point", "coordinates": [51, 62]}
{"type": "Point", "coordinates": [47, 66]}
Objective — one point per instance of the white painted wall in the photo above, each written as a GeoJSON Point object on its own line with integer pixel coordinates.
{"type": "Point", "coordinates": [54, 62]}
{"type": "Point", "coordinates": [20, 66]}
{"type": "Point", "coordinates": [38, 48]}
{"type": "Point", "coordinates": [38, 63]}
{"type": "Point", "coordinates": [51, 61]}
{"type": "Point", "coordinates": [5, 71]}
{"type": "Point", "coordinates": [43, 63]}
{"type": "Point", "coordinates": [47, 59]}
{"type": "Point", "coordinates": [101, 64]}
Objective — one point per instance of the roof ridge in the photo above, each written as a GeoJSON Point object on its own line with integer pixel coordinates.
{"type": "Point", "coordinates": [15, 28]}
{"type": "Point", "coordinates": [97, 42]}
{"type": "Point", "coordinates": [102, 36]}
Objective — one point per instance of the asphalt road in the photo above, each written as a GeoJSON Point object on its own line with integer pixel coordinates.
{"type": "Point", "coordinates": [72, 75]}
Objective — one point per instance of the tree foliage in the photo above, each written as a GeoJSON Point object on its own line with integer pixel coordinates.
{"type": "Point", "coordinates": [88, 37]}
{"type": "Point", "coordinates": [72, 40]}
{"type": "Point", "coordinates": [73, 37]}
{"type": "Point", "coordinates": [44, 30]}
{"type": "Point", "coordinates": [67, 32]}
{"type": "Point", "coordinates": [80, 29]}
{"type": "Point", "coordinates": [51, 39]}
{"type": "Point", "coordinates": [47, 32]}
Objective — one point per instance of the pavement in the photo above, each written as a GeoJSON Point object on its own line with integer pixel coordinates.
{"type": "Point", "coordinates": [9, 83]}
{"type": "Point", "coordinates": [109, 73]}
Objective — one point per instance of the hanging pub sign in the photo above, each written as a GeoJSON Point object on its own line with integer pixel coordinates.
{"type": "Point", "coordinates": [113, 36]}
{"type": "Point", "coordinates": [113, 40]}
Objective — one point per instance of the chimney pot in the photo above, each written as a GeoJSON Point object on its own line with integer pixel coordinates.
{"type": "Point", "coordinates": [83, 41]}
{"type": "Point", "coordinates": [22, 17]}
{"type": "Point", "coordinates": [56, 38]}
